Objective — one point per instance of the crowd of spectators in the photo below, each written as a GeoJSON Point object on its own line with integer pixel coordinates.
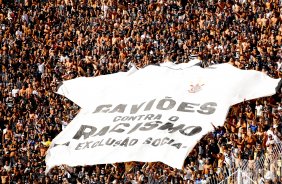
{"type": "Point", "coordinates": [43, 42]}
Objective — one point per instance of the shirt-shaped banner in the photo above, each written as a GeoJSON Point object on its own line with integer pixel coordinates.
{"type": "Point", "coordinates": [157, 113]}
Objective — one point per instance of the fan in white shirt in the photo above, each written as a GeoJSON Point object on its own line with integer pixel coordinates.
{"type": "Point", "coordinates": [15, 91]}
{"type": "Point", "coordinates": [259, 109]}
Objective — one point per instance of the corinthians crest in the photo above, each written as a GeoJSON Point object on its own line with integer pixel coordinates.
{"type": "Point", "coordinates": [195, 88]}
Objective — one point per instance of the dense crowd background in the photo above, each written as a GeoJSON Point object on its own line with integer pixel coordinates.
{"type": "Point", "coordinates": [45, 42]}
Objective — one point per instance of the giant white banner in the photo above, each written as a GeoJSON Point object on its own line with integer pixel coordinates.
{"type": "Point", "coordinates": [157, 113]}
